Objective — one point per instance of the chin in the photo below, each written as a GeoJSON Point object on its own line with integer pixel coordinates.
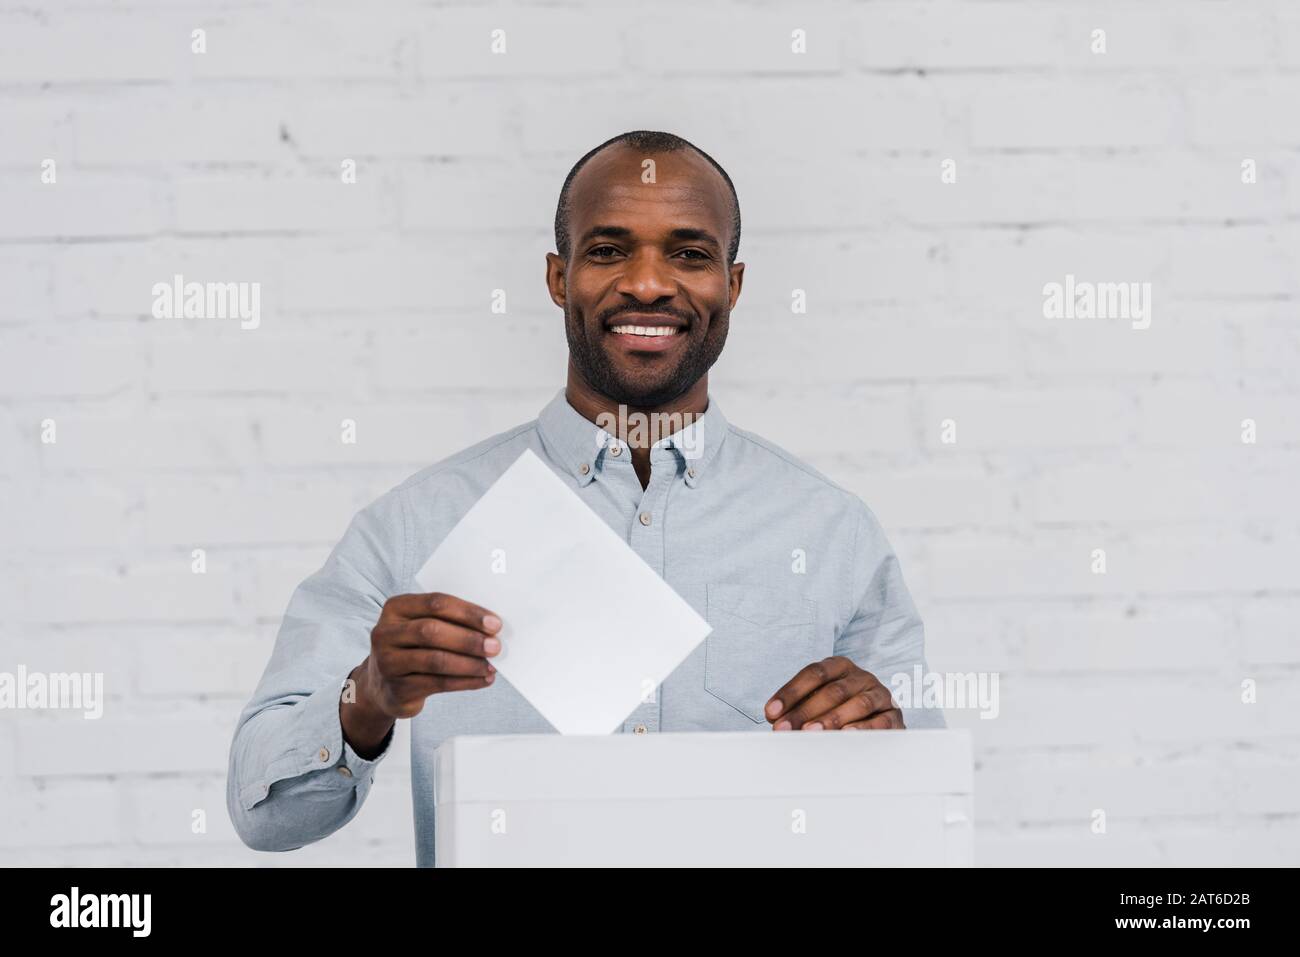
{"type": "Point", "coordinates": [647, 395]}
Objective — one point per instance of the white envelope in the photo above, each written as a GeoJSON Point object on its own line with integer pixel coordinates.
{"type": "Point", "coordinates": [589, 629]}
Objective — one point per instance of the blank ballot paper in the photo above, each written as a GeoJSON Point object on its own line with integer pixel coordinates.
{"type": "Point", "coordinates": [817, 798]}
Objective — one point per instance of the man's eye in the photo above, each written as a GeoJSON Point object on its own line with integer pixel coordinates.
{"type": "Point", "coordinates": [697, 254]}
{"type": "Point", "coordinates": [603, 251]}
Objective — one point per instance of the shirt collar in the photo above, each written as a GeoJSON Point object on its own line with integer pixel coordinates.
{"type": "Point", "coordinates": [582, 447]}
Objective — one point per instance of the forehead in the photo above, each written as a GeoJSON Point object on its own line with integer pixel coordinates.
{"type": "Point", "coordinates": [687, 191]}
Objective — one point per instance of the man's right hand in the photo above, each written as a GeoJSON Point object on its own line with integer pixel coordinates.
{"type": "Point", "coordinates": [421, 645]}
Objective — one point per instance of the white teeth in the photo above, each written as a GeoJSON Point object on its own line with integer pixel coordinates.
{"type": "Point", "coordinates": [645, 330]}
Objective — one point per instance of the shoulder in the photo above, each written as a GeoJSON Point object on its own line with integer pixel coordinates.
{"type": "Point", "coordinates": [498, 450]}
{"type": "Point", "coordinates": [472, 468]}
{"type": "Point", "coordinates": [793, 476]}
{"type": "Point", "coordinates": [751, 449]}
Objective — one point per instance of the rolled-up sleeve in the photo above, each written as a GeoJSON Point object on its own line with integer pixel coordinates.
{"type": "Point", "coordinates": [293, 779]}
{"type": "Point", "coordinates": [885, 635]}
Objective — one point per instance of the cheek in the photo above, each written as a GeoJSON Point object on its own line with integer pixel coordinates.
{"type": "Point", "coordinates": [713, 299]}
{"type": "Point", "coordinates": [717, 311]}
{"type": "Point", "coordinates": [575, 314]}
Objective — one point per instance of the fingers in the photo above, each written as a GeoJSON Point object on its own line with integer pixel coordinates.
{"type": "Point", "coordinates": [436, 633]}
{"type": "Point", "coordinates": [437, 605]}
{"type": "Point", "coordinates": [400, 662]}
{"type": "Point", "coordinates": [430, 643]}
{"type": "Point", "coordinates": [408, 692]}
{"type": "Point", "coordinates": [885, 721]}
{"type": "Point", "coordinates": [841, 703]}
{"type": "Point", "coordinates": [848, 700]}
{"type": "Point", "coordinates": [807, 681]}
{"type": "Point", "coordinates": [849, 696]}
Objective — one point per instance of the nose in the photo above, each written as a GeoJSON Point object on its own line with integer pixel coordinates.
{"type": "Point", "coordinates": [646, 277]}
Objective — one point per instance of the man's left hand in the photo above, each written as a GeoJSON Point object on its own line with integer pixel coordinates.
{"type": "Point", "coordinates": [833, 695]}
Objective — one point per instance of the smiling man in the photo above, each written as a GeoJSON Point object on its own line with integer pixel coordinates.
{"type": "Point", "coordinates": [809, 611]}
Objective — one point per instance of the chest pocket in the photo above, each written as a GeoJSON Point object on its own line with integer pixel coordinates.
{"type": "Point", "coordinates": [761, 638]}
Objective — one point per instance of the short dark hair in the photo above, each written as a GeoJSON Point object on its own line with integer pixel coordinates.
{"type": "Point", "coordinates": [651, 141]}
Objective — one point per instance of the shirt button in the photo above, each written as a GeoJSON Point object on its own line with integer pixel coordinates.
{"type": "Point", "coordinates": [345, 771]}
{"type": "Point", "coordinates": [584, 468]}
{"type": "Point", "coordinates": [640, 729]}
{"type": "Point", "coordinates": [645, 518]}
{"type": "Point", "coordinates": [691, 472]}
{"type": "Point", "coordinates": [323, 754]}
{"type": "Point", "coordinates": [616, 450]}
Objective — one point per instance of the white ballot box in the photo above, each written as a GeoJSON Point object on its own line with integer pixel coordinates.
{"type": "Point", "coordinates": [802, 798]}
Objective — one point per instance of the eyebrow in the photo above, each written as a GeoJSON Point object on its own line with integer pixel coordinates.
{"type": "Point", "coordinates": [622, 232]}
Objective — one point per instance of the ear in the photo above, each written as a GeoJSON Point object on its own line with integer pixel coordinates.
{"type": "Point", "coordinates": [556, 279]}
{"type": "Point", "coordinates": [735, 281]}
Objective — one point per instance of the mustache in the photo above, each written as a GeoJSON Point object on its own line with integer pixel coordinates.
{"type": "Point", "coordinates": [605, 317]}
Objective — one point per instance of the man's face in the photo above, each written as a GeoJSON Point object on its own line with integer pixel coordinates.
{"type": "Point", "coordinates": [648, 257]}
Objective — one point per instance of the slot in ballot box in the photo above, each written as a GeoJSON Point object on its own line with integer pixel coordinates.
{"type": "Point", "coordinates": [804, 798]}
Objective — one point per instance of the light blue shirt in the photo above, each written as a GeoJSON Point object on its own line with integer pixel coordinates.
{"type": "Point", "coordinates": [787, 567]}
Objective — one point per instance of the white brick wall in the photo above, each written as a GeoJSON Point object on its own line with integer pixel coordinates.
{"type": "Point", "coordinates": [1118, 692]}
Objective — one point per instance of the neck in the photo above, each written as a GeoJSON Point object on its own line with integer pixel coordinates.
{"type": "Point", "coordinates": [637, 427]}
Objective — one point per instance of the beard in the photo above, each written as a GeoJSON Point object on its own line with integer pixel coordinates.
{"type": "Point", "coordinates": [653, 383]}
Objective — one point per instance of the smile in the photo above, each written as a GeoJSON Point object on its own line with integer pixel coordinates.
{"type": "Point", "coordinates": [644, 330]}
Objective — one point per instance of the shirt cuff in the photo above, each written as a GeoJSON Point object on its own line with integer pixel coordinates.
{"type": "Point", "coordinates": [318, 745]}
{"type": "Point", "coordinates": [321, 745]}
